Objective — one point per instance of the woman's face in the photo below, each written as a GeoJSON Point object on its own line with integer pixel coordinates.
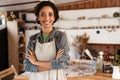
{"type": "Point", "coordinates": [46, 17]}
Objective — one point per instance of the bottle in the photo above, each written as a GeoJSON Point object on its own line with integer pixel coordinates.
{"type": "Point", "coordinates": [100, 61]}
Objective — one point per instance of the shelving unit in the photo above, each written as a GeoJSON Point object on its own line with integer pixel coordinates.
{"type": "Point", "coordinates": [91, 22]}
{"type": "Point", "coordinates": [21, 43]}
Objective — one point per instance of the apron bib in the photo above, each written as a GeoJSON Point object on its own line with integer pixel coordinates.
{"type": "Point", "coordinates": [47, 52]}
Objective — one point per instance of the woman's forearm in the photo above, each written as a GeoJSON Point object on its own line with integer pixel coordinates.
{"type": "Point", "coordinates": [47, 64]}
{"type": "Point", "coordinates": [40, 69]}
{"type": "Point", "coordinates": [44, 64]}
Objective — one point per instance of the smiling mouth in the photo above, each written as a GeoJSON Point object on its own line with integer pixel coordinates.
{"type": "Point", "coordinates": [47, 22]}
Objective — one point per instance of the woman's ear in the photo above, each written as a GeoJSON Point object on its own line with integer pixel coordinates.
{"type": "Point", "coordinates": [38, 19]}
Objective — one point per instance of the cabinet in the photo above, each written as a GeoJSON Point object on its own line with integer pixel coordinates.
{"type": "Point", "coordinates": [16, 44]}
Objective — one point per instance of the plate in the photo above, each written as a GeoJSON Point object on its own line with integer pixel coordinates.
{"type": "Point", "coordinates": [116, 14]}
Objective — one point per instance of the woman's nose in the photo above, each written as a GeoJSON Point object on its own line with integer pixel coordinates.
{"type": "Point", "coordinates": [47, 17]}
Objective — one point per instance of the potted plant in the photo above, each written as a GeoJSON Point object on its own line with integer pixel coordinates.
{"type": "Point", "coordinates": [116, 66]}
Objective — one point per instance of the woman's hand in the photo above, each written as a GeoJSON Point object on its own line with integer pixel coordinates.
{"type": "Point", "coordinates": [31, 56]}
{"type": "Point", "coordinates": [59, 54]}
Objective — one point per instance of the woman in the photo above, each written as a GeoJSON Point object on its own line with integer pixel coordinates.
{"type": "Point", "coordinates": [47, 54]}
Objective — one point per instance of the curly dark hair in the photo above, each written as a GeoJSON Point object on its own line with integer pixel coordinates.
{"type": "Point", "coordinates": [40, 5]}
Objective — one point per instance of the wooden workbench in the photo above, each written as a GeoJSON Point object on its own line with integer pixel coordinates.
{"type": "Point", "coordinates": [97, 76]}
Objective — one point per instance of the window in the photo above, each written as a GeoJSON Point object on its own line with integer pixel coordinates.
{"type": "Point", "coordinates": [2, 21]}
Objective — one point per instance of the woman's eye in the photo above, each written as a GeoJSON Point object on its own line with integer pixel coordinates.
{"type": "Point", "coordinates": [50, 14]}
{"type": "Point", "coordinates": [42, 14]}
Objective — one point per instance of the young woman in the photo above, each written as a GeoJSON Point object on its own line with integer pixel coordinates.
{"type": "Point", "coordinates": [47, 54]}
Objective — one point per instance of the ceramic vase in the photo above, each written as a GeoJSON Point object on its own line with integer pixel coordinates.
{"type": "Point", "coordinates": [116, 72]}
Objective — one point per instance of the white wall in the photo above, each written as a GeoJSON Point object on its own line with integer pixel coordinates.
{"type": "Point", "coordinates": [106, 36]}
{"type": "Point", "coordinates": [71, 17]}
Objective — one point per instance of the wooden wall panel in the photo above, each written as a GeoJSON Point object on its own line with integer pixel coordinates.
{"type": "Point", "coordinates": [83, 4]}
{"type": "Point", "coordinates": [86, 4]}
